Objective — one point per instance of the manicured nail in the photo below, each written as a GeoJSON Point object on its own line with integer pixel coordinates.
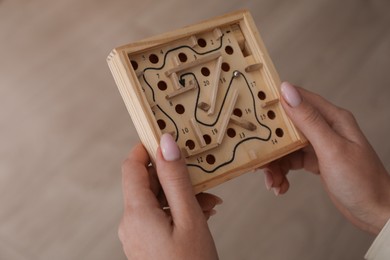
{"type": "Point", "coordinates": [268, 179]}
{"type": "Point", "coordinates": [169, 148]}
{"type": "Point", "coordinates": [291, 94]}
{"type": "Point", "coordinates": [276, 190]}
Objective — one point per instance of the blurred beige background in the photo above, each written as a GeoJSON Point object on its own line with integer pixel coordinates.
{"type": "Point", "coordinates": [64, 129]}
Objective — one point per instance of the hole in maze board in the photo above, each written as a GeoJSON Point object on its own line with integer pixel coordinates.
{"type": "Point", "coordinates": [202, 42]}
{"type": "Point", "coordinates": [229, 50]}
{"type": "Point", "coordinates": [279, 132]}
{"type": "Point", "coordinates": [205, 71]}
{"type": "Point", "coordinates": [153, 58]}
{"type": "Point", "coordinates": [180, 109]}
{"type": "Point", "coordinates": [271, 114]}
{"type": "Point", "coordinates": [210, 159]}
{"type": "Point", "coordinates": [161, 124]}
{"type": "Point", "coordinates": [190, 144]}
{"type": "Point", "coordinates": [237, 112]}
{"type": "Point", "coordinates": [261, 95]}
{"type": "Point", "coordinates": [182, 57]}
{"type": "Point", "coordinates": [134, 64]}
{"type": "Point", "coordinates": [231, 132]}
{"type": "Point", "coordinates": [225, 66]}
{"type": "Point", "coordinates": [162, 85]}
{"type": "Point", "coordinates": [207, 139]}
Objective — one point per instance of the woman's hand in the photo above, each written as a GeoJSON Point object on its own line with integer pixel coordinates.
{"type": "Point", "coordinates": [352, 174]}
{"type": "Point", "coordinates": [163, 219]}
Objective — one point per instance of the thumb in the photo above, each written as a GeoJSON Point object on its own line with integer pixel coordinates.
{"type": "Point", "coordinates": [309, 116]}
{"type": "Point", "coordinates": [175, 181]}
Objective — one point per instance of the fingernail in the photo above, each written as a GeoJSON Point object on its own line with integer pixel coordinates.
{"type": "Point", "coordinates": [219, 200]}
{"type": "Point", "coordinates": [213, 212]}
{"type": "Point", "coordinates": [169, 148]}
{"type": "Point", "coordinates": [276, 190]}
{"type": "Point", "coordinates": [268, 179]}
{"type": "Point", "coordinates": [291, 94]}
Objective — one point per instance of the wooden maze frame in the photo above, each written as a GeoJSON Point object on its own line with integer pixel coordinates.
{"type": "Point", "coordinates": [212, 86]}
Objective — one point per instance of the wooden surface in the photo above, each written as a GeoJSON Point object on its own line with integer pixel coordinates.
{"type": "Point", "coordinates": [65, 130]}
{"type": "Point", "coordinates": [146, 72]}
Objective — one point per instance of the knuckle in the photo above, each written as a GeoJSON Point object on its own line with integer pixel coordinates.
{"type": "Point", "coordinates": [176, 177]}
{"type": "Point", "coordinates": [346, 114]}
{"type": "Point", "coordinates": [311, 115]}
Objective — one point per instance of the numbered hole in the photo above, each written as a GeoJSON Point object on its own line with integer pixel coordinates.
{"type": "Point", "coordinates": [153, 58]}
{"type": "Point", "coordinates": [205, 71]}
{"type": "Point", "coordinates": [210, 159]}
{"type": "Point", "coordinates": [279, 132]}
{"type": "Point", "coordinates": [261, 95]}
{"type": "Point", "coordinates": [162, 85]}
{"type": "Point", "coordinates": [231, 132]}
{"type": "Point", "coordinates": [202, 42]}
{"type": "Point", "coordinates": [190, 144]}
{"type": "Point", "coordinates": [134, 64]}
{"type": "Point", "coordinates": [161, 124]}
{"type": "Point", "coordinates": [225, 66]}
{"type": "Point", "coordinates": [229, 50]}
{"type": "Point", "coordinates": [237, 112]}
{"type": "Point", "coordinates": [182, 57]}
{"type": "Point", "coordinates": [207, 139]}
{"type": "Point", "coordinates": [271, 114]}
{"type": "Point", "coordinates": [180, 109]}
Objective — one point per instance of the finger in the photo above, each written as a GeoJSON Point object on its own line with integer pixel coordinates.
{"type": "Point", "coordinates": [162, 199]}
{"type": "Point", "coordinates": [281, 185]}
{"type": "Point", "coordinates": [276, 171]}
{"type": "Point", "coordinates": [174, 178]}
{"type": "Point", "coordinates": [154, 183]}
{"type": "Point", "coordinates": [206, 212]}
{"type": "Point", "coordinates": [341, 120]}
{"type": "Point", "coordinates": [268, 178]}
{"type": "Point", "coordinates": [210, 213]}
{"type": "Point", "coordinates": [283, 188]}
{"type": "Point", "coordinates": [136, 179]}
{"type": "Point", "coordinates": [326, 109]}
{"type": "Point", "coordinates": [274, 175]}
{"type": "Point", "coordinates": [309, 117]}
{"type": "Point", "coordinates": [208, 201]}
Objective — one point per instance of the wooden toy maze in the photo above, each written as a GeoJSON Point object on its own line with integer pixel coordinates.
{"type": "Point", "coordinates": [213, 87]}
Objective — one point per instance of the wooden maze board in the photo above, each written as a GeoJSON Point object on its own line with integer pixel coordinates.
{"type": "Point", "coordinates": [213, 87]}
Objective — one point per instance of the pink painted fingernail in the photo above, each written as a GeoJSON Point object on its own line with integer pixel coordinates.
{"type": "Point", "coordinates": [268, 179]}
{"type": "Point", "coordinates": [291, 94]}
{"type": "Point", "coordinates": [276, 190]}
{"type": "Point", "coordinates": [169, 148]}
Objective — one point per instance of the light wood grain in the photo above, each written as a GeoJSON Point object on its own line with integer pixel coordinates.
{"type": "Point", "coordinates": [232, 37]}
{"type": "Point", "coordinates": [65, 130]}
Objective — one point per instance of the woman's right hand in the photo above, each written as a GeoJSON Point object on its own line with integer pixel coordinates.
{"type": "Point", "coordinates": [352, 174]}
